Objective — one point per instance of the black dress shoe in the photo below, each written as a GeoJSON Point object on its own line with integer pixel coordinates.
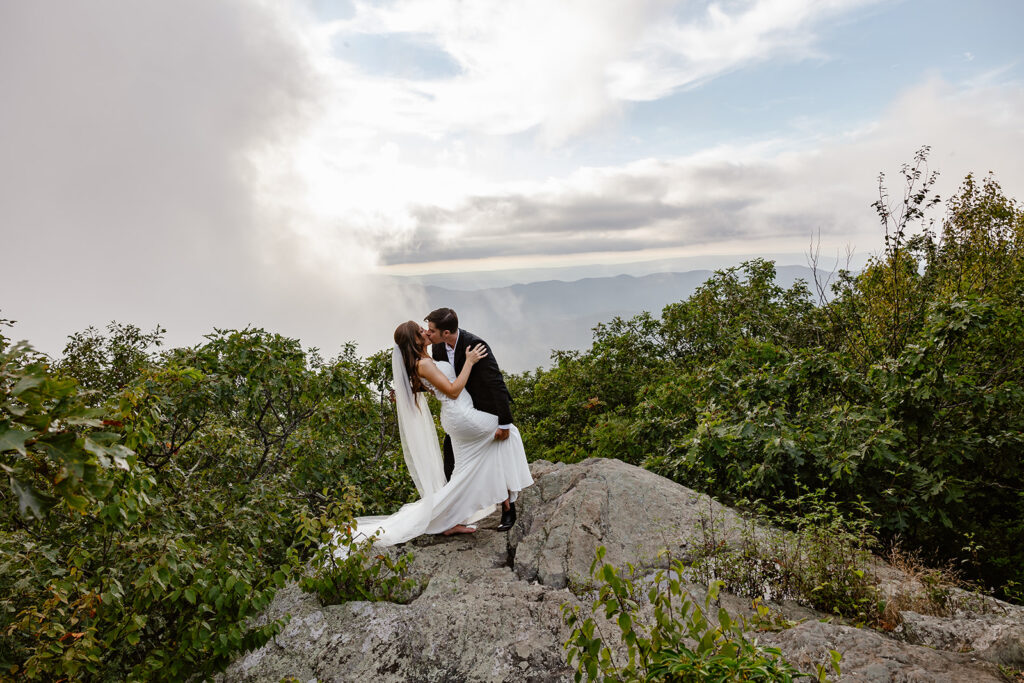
{"type": "Point", "coordinates": [508, 518]}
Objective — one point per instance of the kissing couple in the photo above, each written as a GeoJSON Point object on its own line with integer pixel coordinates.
{"type": "Point", "coordinates": [484, 463]}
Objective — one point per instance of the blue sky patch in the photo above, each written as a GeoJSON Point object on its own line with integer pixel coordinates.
{"type": "Point", "coordinates": [398, 55]}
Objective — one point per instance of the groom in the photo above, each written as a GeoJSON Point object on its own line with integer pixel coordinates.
{"type": "Point", "coordinates": [486, 385]}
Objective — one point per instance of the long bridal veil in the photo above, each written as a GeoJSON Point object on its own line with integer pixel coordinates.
{"type": "Point", "coordinates": [422, 457]}
{"type": "Point", "coordinates": [416, 427]}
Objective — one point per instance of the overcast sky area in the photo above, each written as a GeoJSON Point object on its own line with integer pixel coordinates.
{"type": "Point", "coordinates": [218, 163]}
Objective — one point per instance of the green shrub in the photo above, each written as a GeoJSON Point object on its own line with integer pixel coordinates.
{"type": "Point", "coordinates": [148, 519]}
{"type": "Point", "coordinates": [823, 560]}
{"type": "Point", "coordinates": [903, 386]}
{"type": "Point", "coordinates": [686, 640]}
{"type": "Point", "coordinates": [102, 580]}
{"type": "Point", "coordinates": [340, 568]}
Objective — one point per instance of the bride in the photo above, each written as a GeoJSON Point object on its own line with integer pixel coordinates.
{"type": "Point", "coordinates": [487, 472]}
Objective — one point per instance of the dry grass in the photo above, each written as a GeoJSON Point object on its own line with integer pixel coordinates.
{"type": "Point", "coordinates": [925, 590]}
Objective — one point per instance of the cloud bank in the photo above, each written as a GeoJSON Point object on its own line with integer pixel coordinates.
{"type": "Point", "coordinates": [785, 190]}
{"type": "Point", "coordinates": [224, 162]}
{"type": "Point", "coordinates": [149, 173]}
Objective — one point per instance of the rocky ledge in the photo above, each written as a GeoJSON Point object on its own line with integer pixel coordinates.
{"type": "Point", "coordinates": [491, 609]}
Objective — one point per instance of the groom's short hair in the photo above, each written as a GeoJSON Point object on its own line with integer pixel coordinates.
{"type": "Point", "coordinates": [444, 319]}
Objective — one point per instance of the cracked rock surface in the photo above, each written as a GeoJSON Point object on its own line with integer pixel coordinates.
{"type": "Point", "coordinates": [492, 608]}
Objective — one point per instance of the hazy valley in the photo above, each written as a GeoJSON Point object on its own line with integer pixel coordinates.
{"type": "Point", "coordinates": [525, 322]}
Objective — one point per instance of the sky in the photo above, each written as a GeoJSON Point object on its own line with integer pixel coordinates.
{"type": "Point", "coordinates": [206, 164]}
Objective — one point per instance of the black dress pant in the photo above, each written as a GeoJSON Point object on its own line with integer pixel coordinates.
{"type": "Point", "coordinates": [449, 458]}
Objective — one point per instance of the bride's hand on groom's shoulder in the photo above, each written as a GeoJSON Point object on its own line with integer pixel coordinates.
{"type": "Point", "coordinates": [476, 353]}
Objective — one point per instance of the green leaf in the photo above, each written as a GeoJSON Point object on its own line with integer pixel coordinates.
{"type": "Point", "coordinates": [625, 622]}
{"type": "Point", "coordinates": [30, 500]}
{"type": "Point", "coordinates": [90, 446]}
{"type": "Point", "coordinates": [26, 383]}
{"type": "Point", "coordinates": [76, 502]}
{"type": "Point", "coordinates": [121, 454]}
{"type": "Point", "coordinates": [14, 439]}
{"type": "Point", "coordinates": [836, 659]}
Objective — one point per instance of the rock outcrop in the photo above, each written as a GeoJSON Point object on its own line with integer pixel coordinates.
{"type": "Point", "coordinates": [492, 606]}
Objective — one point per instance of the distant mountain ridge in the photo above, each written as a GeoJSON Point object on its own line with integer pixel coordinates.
{"type": "Point", "coordinates": [525, 322]}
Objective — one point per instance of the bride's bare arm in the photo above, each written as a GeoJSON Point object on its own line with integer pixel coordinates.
{"type": "Point", "coordinates": [429, 371]}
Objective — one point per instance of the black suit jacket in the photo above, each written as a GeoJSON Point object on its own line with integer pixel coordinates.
{"type": "Point", "coordinates": [485, 385]}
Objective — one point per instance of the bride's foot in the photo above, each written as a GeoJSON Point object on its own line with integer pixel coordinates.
{"type": "Point", "coordinates": [459, 529]}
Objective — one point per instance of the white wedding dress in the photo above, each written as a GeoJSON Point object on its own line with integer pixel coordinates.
{"type": "Point", "coordinates": [486, 471]}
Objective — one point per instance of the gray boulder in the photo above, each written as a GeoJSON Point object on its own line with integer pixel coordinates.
{"type": "Point", "coordinates": [995, 637]}
{"type": "Point", "coordinates": [638, 516]}
{"type": "Point", "coordinates": [492, 606]}
{"type": "Point", "coordinates": [871, 657]}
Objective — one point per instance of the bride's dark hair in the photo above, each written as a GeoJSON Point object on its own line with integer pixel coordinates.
{"type": "Point", "coordinates": [407, 337]}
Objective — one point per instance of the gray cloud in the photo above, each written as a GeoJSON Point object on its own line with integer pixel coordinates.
{"type": "Point", "coordinates": [630, 213]}
{"type": "Point", "coordinates": [130, 180]}
{"type": "Point", "coordinates": [135, 120]}
{"type": "Point", "coordinates": [777, 194]}
{"type": "Point", "coordinates": [495, 216]}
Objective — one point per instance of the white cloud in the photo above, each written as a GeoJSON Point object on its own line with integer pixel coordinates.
{"type": "Point", "coordinates": [674, 54]}
{"type": "Point", "coordinates": [148, 173]}
{"type": "Point", "coordinates": [562, 67]}
{"type": "Point", "coordinates": [523, 65]}
{"type": "Point", "coordinates": [215, 162]}
{"type": "Point", "coordinates": [531, 74]}
{"type": "Point", "coordinates": [776, 191]}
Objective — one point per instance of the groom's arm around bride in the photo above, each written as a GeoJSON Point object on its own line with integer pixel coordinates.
{"type": "Point", "coordinates": [486, 386]}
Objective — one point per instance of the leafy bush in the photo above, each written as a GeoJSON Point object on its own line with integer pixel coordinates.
{"type": "Point", "coordinates": [105, 364]}
{"type": "Point", "coordinates": [150, 517]}
{"type": "Point", "coordinates": [903, 386]}
{"type": "Point", "coordinates": [685, 639]}
{"type": "Point", "coordinates": [341, 568]}
{"type": "Point", "coordinates": [825, 562]}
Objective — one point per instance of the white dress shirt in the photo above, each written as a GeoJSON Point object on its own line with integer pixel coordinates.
{"type": "Point", "coordinates": [450, 350]}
